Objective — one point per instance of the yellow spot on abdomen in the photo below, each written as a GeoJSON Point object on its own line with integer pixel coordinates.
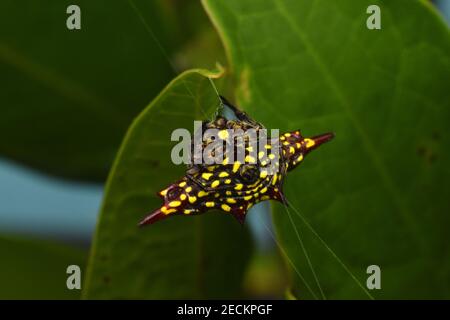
{"type": "Point", "coordinates": [192, 199]}
{"type": "Point", "coordinates": [174, 203]}
{"type": "Point", "coordinates": [225, 207]}
{"type": "Point", "coordinates": [274, 180]}
{"type": "Point", "coordinates": [201, 194]}
{"type": "Point", "coordinates": [223, 134]}
{"type": "Point", "coordinates": [309, 143]}
{"type": "Point", "coordinates": [250, 159]}
{"type": "Point", "coordinates": [167, 211]}
{"type": "Point", "coordinates": [223, 174]}
{"type": "Point", "coordinates": [215, 183]}
{"type": "Point", "coordinates": [238, 186]}
{"type": "Point", "coordinates": [206, 175]}
{"type": "Point", "coordinates": [210, 204]}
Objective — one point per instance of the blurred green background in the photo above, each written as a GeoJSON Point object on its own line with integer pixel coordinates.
{"type": "Point", "coordinates": [66, 101]}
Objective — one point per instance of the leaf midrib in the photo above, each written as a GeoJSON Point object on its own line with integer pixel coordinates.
{"type": "Point", "coordinates": [343, 101]}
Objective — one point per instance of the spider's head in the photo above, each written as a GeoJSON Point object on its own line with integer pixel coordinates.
{"type": "Point", "coordinates": [295, 147]}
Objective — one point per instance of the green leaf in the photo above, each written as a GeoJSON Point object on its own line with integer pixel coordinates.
{"type": "Point", "coordinates": [68, 96]}
{"type": "Point", "coordinates": [182, 257]}
{"type": "Point", "coordinates": [378, 193]}
{"type": "Point", "coordinates": [36, 269]}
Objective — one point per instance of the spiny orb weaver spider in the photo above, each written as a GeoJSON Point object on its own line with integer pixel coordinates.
{"type": "Point", "coordinates": [235, 187]}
